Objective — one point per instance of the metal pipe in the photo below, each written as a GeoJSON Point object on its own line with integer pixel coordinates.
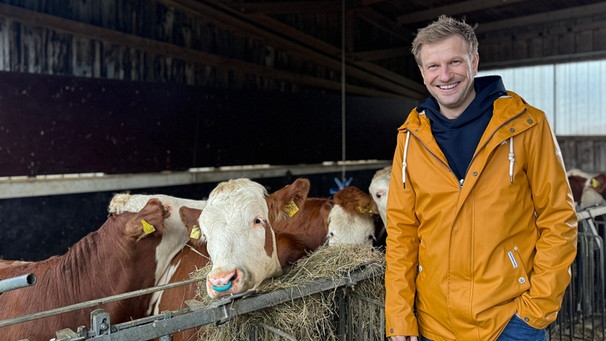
{"type": "Point", "coordinates": [17, 282]}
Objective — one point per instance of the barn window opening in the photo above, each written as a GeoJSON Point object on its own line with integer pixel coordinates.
{"type": "Point", "coordinates": [571, 94]}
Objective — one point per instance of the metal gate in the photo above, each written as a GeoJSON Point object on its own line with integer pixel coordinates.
{"type": "Point", "coordinates": [582, 313]}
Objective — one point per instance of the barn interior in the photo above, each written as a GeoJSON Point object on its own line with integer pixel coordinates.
{"type": "Point", "coordinates": [172, 96]}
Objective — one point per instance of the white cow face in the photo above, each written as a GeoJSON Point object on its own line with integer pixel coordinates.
{"type": "Point", "coordinates": [379, 189]}
{"type": "Point", "coordinates": [347, 228]}
{"type": "Point", "coordinates": [240, 240]}
{"type": "Point", "coordinates": [351, 218]}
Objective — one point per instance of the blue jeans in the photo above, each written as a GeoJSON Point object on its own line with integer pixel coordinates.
{"type": "Point", "coordinates": [517, 330]}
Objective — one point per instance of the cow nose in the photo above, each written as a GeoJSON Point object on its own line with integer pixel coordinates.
{"type": "Point", "coordinates": [221, 281]}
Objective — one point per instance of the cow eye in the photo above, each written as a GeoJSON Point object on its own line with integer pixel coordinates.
{"type": "Point", "coordinates": [258, 221]}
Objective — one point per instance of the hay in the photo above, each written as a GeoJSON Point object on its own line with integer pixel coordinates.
{"type": "Point", "coordinates": [311, 317]}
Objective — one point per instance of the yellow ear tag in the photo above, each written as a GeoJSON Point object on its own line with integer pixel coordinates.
{"type": "Point", "coordinates": [594, 183]}
{"type": "Point", "coordinates": [291, 209]}
{"type": "Point", "coordinates": [147, 227]}
{"type": "Point", "coordinates": [365, 210]}
{"type": "Point", "coordinates": [195, 232]}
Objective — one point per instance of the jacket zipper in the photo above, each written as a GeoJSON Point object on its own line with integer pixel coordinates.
{"type": "Point", "coordinates": [432, 153]}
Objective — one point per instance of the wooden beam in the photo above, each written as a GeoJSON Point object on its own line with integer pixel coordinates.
{"type": "Point", "coordinates": [535, 19]}
{"type": "Point", "coordinates": [385, 24]}
{"type": "Point", "coordinates": [380, 54]}
{"type": "Point", "coordinates": [285, 7]}
{"type": "Point", "coordinates": [329, 56]}
{"type": "Point", "coordinates": [454, 9]}
{"type": "Point", "coordinates": [370, 2]}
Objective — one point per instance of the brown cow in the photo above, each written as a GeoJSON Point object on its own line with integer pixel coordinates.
{"type": "Point", "coordinates": [127, 253]}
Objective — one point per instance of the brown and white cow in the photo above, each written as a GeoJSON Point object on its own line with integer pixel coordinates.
{"type": "Point", "coordinates": [351, 219]}
{"type": "Point", "coordinates": [189, 211]}
{"type": "Point", "coordinates": [243, 243]}
{"type": "Point", "coordinates": [282, 206]}
{"type": "Point", "coordinates": [587, 190]}
{"type": "Point", "coordinates": [127, 253]}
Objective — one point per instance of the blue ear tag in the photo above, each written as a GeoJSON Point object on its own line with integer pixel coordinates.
{"type": "Point", "coordinates": [223, 288]}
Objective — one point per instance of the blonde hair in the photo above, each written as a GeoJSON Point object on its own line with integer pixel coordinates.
{"type": "Point", "coordinates": [444, 27]}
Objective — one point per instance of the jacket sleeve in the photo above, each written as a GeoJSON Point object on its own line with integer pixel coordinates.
{"type": "Point", "coordinates": [556, 222]}
{"type": "Point", "coordinates": [401, 251]}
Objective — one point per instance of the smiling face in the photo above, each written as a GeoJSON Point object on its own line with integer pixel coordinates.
{"type": "Point", "coordinates": [448, 71]}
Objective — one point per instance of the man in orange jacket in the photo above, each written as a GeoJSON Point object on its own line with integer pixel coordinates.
{"type": "Point", "coordinates": [480, 217]}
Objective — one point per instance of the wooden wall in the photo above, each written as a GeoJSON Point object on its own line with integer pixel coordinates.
{"type": "Point", "coordinates": [587, 153]}
{"type": "Point", "coordinates": [535, 39]}
{"type": "Point", "coordinates": [182, 42]}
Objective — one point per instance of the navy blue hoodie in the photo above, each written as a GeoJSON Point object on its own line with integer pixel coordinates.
{"type": "Point", "coordinates": [459, 138]}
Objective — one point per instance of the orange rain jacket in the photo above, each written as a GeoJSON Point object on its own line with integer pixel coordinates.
{"type": "Point", "coordinates": [478, 252]}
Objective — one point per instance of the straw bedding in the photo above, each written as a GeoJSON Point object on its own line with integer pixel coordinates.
{"type": "Point", "coordinates": [311, 317]}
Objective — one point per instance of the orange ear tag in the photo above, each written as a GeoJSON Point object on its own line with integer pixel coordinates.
{"type": "Point", "coordinates": [147, 227]}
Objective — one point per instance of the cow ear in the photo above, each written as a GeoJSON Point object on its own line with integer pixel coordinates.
{"type": "Point", "coordinates": [287, 201]}
{"type": "Point", "coordinates": [149, 220]}
{"type": "Point", "coordinates": [300, 191]}
{"type": "Point", "coordinates": [189, 217]}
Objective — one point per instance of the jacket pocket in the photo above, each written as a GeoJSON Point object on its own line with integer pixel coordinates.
{"type": "Point", "coordinates": [518, 270]}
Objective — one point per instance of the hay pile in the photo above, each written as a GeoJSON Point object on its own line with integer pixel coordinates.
{"type": "Point", "coordinates": [310, 317]}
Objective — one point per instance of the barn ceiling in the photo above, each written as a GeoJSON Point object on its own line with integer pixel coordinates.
{"type": "Point", "coordinates": [294, 46]}
{"type": "Point", "coordinates": [379, 32]}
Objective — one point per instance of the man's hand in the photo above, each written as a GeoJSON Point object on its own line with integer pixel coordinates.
{"type": "Point", "coordinates": [404, 338]}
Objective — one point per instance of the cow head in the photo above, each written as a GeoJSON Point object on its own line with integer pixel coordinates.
{"type": "Point", "coordinates": [379, 190]}
{"type": "Point", "coordinates": [351, 219]}
{"type": "Point", "coordinates": [240, 241]}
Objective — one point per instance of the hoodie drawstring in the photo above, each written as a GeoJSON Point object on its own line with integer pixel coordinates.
{"type": "Point", "coordinates": [404, 164]}
{"type": "Point", "coordinates": [512, 159]}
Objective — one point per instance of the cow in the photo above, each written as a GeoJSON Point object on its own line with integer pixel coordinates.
{"type": "Point", "coordinates": [598, 184]}
{"type": "Point", "coordinates": [587, 190]}
{"type": "Point", "coordinates": [353, 209]}
{"type": "Point", "coordinates": [379, 190]}
{"type": "Point", "coordinates": [190, 210]}
{"type": "Point", "coordinates": [130, 251]}
{"type": "Point", "coordinates": [298, 224]}
{"type": "Point", "coordinates": [233, 235]}
{"type": "Point", "coordinates": [282, 205]}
